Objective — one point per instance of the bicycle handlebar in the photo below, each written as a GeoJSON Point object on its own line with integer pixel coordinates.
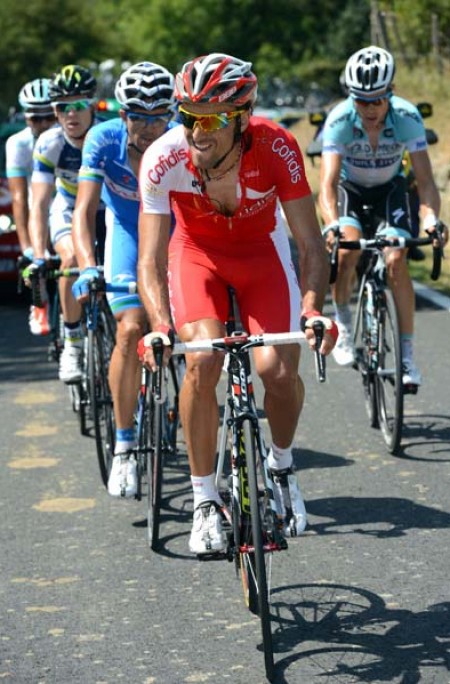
{"type": "Point", "coordinates": [243, 341]}
{"type": "Point", "coordinates": [381, 242]}
{"type": "Point", "coordinates": [239, 341]}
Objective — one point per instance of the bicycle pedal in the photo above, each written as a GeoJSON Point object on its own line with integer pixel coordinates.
{"type": "Point", "coordinates": [410, 389]}
{"type": "Point", "coordinates": [213, 556]}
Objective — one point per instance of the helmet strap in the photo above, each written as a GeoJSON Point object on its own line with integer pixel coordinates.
{"type": "Point", "coordinates": [236, 139]}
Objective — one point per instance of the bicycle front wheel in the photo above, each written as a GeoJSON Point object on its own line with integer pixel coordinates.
{"type": "Point", "coordinates": [100, 346]}
{"type": "Point", "coordinates": [253, 563]}
{"type": "Point", "coordinates": [154, 471]}
{"type": "Point", "coordinates": [389, 384]}
{"type": "Point", "coordinates": [363, 353]}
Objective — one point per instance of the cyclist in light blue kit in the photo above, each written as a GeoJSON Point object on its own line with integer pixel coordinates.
{"type": "Point", "coordinates": [111, 156]}
{"type": "Point", "coordinates": [364, 139]}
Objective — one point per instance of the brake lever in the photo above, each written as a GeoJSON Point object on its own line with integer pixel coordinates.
{"type": "Point", "coordinates": [321, 369]}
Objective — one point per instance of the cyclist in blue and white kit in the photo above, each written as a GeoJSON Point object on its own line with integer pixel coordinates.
{"type": "Point", "coordinates": [34, 99]}
{"type": "Point", "coordinates": [111, 157]}
{"type": "Point", "coordinates": [56, 162]}
{"type": "Point", "coordinates": [364, 139]}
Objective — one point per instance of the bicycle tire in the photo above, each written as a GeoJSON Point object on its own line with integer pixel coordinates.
{"type": "Point", "coordinates": [389, 382]}
{"type": "Point", "coordinates": [154, 472]}
{"type": "Point", "coordinates": [79, 393]}
{"type": "Point", "coordinates": [100, 347]}
{"type": "Point", "coordinates": [143, 435]}
{"type": "Point", "coordinates": [361, 342]}
{"type": "Point", "coordinates": [256, 562]}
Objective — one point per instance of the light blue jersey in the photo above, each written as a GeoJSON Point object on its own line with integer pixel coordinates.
{"type": "Point", "coordinates": [105, 160]}
{"type": "Point", "coordinates": [344, 134]}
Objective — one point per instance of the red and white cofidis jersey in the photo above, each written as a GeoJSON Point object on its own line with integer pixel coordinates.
{"type": "Point", "coordinates": [209, 250]}
{"type": "Point", "coordinates": [271, 168]}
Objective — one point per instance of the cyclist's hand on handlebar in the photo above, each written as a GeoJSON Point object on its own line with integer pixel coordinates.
{"type": "Point", "coordinates": [440, 230]}
{"type": "Point", "coordinates": [149, 346]}
{"type": "Point", "coordinates": [33, 271]}
{"type": "Point", "coordinates": [309, 321]}
{"type": "Point", "coordinates": [330, 233]}
{"type": "Point", "coordinates": [80, 288]}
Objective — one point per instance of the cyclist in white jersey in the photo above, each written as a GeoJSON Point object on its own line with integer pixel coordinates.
{"type": "Point", "coordinates": [56, 161]}
{"type": "Point", "coordinates": [363, 143]}
{"type": "Point", "coordinates": [34, 99]}
{"type": "Point", "coordinates": [111, 157]}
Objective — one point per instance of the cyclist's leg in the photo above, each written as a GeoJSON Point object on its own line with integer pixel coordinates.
{"type": "Point", "coordinates": [274, 305]}
{"type": "Point", "coordinates": [124, 368]}
{"type": "Point", "coordinates": [60, 235]}
{"type": "Point", "coordinates": [396, 211]}
{"type": "Point", "coordinates": [200, 317]}
{"type": "Point", "coordinates": [349, 206]}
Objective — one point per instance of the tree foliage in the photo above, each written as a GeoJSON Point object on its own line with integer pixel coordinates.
{"type": "Point", "coordinates": [283, 38]}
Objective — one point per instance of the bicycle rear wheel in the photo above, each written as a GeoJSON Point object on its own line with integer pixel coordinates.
{"type": "Point", "coordinates": [79, 392]}
{"type": "Point", "coordinates": [363, 352]}
{"type": "Point", "coordinates": [101, 343]}
{"type": "Point", "coordinates": [253, 562]}
{"type": "Point", "coordinates": [154, 470]}
{"type": "Point", "coordinates": [389, 383]}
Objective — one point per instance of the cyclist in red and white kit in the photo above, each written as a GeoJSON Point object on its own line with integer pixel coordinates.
{"type": "Point", "coordinates": [224, 173]}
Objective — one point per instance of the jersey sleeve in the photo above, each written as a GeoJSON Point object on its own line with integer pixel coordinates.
{"type": "Point", "coordinates": [334, 134]}
{"type": "Point", "coordinates": [153, 185]}
{"type": "Point", "coordinates": [18, 158]}
{"type": "Point", "coordinates": [288, 166]}
{"type": "Point", "coordinates": [93, 157]}
{"type": "Point", "coordinates": [45, 157]}
{"type": "Point", "coordinates": [411, 126]}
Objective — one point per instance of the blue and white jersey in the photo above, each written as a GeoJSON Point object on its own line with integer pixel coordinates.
{"type": "Point", "coordinates": [105, 160]}
{"type": "Point", "coordinates": [19, 154]}
{"type": "Point", "coordinates": [344, 134]}
{"type": "Point", "coordinates": [57, 162]}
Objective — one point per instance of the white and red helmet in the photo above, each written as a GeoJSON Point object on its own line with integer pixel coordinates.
{"type": "Point", "coordinates": [216, 78]}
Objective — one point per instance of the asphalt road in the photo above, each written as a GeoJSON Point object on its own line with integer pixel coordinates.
{"type": "Point", "coordinates": [363, 596]}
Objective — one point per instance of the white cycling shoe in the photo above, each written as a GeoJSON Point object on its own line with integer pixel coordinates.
{"type": "Point", "coordinates": [411, 378]}
{"type": "Point", "coordinates": [70, 364]}
{"type": "Point", "coordinates": [122, 481]}
{"type": "Point", "coordinates": [207, 535]}
{"type": "Point", "coordinates": [343, 351]}
{"type": "Point", "coordinates": [289, 502]}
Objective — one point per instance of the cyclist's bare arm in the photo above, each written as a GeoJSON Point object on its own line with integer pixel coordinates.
{"type": "Point", "coordinates": [330, 169]}
{"type": "Point", "coordinates": [42, 196]}
{"type": "Point", "coordinates": [154, 231]}
{"type": "Point", "coordinates": [84, 222]}
{"type": "Point", "coordinates": [430, 202]}
{"type": "Point", "coordinates": [313, 261]}
{"type": "Point", "coordinates": [18, 187]}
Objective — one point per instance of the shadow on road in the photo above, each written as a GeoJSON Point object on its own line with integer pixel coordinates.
{"type": "Point", "coordinates": [381, 517]}
{"type": "Point", "coordinates": [350, 635]}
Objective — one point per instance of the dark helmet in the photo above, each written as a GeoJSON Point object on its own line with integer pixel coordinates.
{"type": "Point", "coordinates": [72, 80]}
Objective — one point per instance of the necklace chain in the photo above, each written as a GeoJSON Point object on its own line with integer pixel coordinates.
{"type": "Point", "coordinates": [204, 172]}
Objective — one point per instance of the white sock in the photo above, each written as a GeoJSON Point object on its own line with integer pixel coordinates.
{"type": "Point", "coordinates": [122, 447]}
{"type": "Point", "coordinates": [204, 489]}
{"type": "Point", "coordinates": [343, 314]}
{"type": "Point", "coordinates": [279, 459]}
